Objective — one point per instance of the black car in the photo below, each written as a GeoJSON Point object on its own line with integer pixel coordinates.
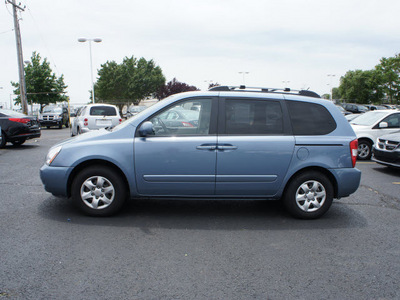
{"type": "Point", "coordinates": [386, 150]}
{"type": "Point", "coordinates": [54, 116]}
{"type": "Point", "coordinates": [355, 108]}
{"type": "Point", "coordinates": [16, 128]}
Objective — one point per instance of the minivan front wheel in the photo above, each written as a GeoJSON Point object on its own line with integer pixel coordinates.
{"type": "Point", "coordinates": [308, 195]}
{"type": "Point", "coordinates": [98, 191]}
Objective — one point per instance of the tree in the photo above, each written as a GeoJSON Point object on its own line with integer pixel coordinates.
{"type": "Point", "coordinates": [361, 86]}
{"type": "Point", "coordinates": [326, 96]}
{"type": "Point", "coordinates": [131, 81]}
{"type": "Point", "coordinates": [335, 93]}
{"type": "Point", "coordinates": [389, 69]}
{"type": "Point", "coordinates": [174, 87]}
{"type": "Point", "coordinates": [42, 85]}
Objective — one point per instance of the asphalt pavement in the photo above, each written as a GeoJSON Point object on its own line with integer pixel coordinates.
{"type": "Point", "coordinates": [193, 249]}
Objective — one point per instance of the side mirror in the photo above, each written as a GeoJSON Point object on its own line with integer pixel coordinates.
{"type": "Point", "coordinates": [383, 125]}
{"type": "Point", "coordinates": [146, 129]}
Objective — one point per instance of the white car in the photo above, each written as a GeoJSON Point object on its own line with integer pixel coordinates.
{"type": "Point", "coordinates": [94, 117]}
{"type": "Point", "coordinates": [371, 125]}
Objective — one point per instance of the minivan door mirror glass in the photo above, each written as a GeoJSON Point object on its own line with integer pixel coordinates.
{"type": "Point", "coordinates": [146, 129]}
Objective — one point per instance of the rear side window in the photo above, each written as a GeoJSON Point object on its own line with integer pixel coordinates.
{"type": "Point", "coordinates": [103, 111]}
{"type": "Point", "coordinates": [310, 118]}
{"type": "Point", "coordinates": [253, 117]}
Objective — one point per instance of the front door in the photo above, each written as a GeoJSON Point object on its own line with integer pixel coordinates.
{"type": "Point", "coordinates": [180, 158]}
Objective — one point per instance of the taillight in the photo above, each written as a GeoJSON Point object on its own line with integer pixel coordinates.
{"type": "Point", "coordinates": [120, 120]}
{"type": "Point", "coordinates": [85, 122]}
{"type": "Point", "coordinates": [354, 151]}
{"type": "Point", "coordinates": [20, 120]}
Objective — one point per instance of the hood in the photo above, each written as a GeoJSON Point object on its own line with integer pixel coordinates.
{"type": "Point", "coordinates": [359, 127]}
{"type": "Point", "coordinates": [394, 136]}
{"type": "Point", "coordinates": [92, 135]}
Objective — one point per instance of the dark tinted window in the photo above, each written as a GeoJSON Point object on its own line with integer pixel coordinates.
{"type": "Point", "coordinates": [310, 118]}
{"type": "Point", "coordinates": [253, 117]}
{"type": "Point", "coordinates": [103, 111]}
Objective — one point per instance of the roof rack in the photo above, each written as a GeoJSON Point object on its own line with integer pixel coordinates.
{"type": "Point", "coordinates": [226, 88]}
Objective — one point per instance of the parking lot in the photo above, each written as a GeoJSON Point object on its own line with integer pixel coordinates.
{"type": "Point", "coordinates": [194, 249]}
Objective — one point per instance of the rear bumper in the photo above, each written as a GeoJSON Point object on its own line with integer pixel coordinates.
{"type": "Point", "coordinates": [27, 136]}
{"type": "Point", "coordinates": [348, 180]}
{"type": "Point", "coordinates": [55, 179]}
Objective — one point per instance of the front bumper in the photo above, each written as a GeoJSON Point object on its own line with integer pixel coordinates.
{"type": "Point", "coordinates": [387, 158]}
{"type": "Point", "coordinates": [50, 122]}
{"type": "Point", "coordinates": [55, 179]}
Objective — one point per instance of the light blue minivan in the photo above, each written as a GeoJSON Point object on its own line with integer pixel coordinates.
{"type": "Point", "coordinates": [225, 143]}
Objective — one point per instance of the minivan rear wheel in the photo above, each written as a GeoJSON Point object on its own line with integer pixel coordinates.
{"type": "Point", "coordinates": [308, 195]}
{"type": "Point", "coordinates": [98, 191]}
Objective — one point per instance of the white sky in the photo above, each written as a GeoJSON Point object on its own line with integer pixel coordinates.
{"type": "Point", "coordinates": [301, 41]}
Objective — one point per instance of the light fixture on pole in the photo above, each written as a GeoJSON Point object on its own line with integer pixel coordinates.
{"type": "Point", "coordinates": [96, 40]}
{"type": "Point", "coordinates": [330, 84]}
{"type": "Point", "coordinates": [244, 73]}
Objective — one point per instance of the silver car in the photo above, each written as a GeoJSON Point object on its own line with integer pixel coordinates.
{"type": "Point", "coordinates": [95, 116]}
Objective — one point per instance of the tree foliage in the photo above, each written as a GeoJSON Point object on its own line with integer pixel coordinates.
{"type": "Point", "coordinates": [361, 86]}
{"type": "Point", "coordinates": [389, 69]}
{"type": "Point", "coordinates": [381, 84]}
{"type": "Point", "coordinates": [131, 81]}
{"type": "Point", "coordinates": [174, 87]}
{"type": "Point", "coordinates": [42, 85]}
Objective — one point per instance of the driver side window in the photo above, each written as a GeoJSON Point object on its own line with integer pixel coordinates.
{"type": "Point", "coordinates": [185, 118]}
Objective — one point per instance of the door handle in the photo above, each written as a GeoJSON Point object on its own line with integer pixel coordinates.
{"type": "Point", "coordinates": [206, 147]}
{"type": "Point", "coordinates": [226, 147]}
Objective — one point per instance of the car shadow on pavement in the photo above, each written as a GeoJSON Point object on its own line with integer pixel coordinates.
{"type": "Point", "coordinates": [387, 170]}
{"type": "Point", "coordinates": [203, 215]}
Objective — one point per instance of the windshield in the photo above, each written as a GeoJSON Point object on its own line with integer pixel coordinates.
{"type": "Point", "coordinates": [368, 118]}
{"type": "Point", "coordinates": [50, 109]}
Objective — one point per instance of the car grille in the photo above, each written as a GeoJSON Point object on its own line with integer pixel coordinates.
{"type": "Point", "coordinates": [387, 145]}
{"type": "Point", "coordinates": [48, 118]}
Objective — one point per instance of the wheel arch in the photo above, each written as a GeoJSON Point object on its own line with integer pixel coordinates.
{"type": "Point", "coordinates": [95, 162]}
{"type": "Point", "coordinates": [321, 170]}
{"type": "Point", "coordinates": [368, 139]}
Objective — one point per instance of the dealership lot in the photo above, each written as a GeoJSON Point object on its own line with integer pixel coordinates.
{"type": "Point", "coordinates": [194, 249]}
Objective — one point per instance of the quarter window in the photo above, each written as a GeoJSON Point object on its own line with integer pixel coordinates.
{"type": "Point", "coordinates": [253, 117]}
{"type": "Point", "coordinates": [310, 118]}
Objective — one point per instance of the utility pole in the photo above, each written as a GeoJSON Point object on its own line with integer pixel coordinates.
{"type": "Point", "coordinates": [22, 84]}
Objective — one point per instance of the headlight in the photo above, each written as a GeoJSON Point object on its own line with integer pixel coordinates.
{"type": "Point", "coordinates": [53, 152]}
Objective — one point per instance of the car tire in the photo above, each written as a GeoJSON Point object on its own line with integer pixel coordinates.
{"type": "Point", "coordinates": [67, 124]}
{"type": "Point", "coordinates": [364, 150]}
{"type": "Point", "coordinates": [60, 125]}
{"type": "Point", "coordinates": [3, 140]}
{"type": "Point", "coordinates": [99, 191]}
{"type": "Point", "coordinates": [308, 195]}
{"type": "Point", "coordinates": [18, 142]}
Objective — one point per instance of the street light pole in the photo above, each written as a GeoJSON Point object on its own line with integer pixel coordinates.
{"type": "Point", "coordinates": [331, 88]}
{"type": "Point", "coordinates": [21, 71]}
{"type": "Point", "coordinates": [96, 40]}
